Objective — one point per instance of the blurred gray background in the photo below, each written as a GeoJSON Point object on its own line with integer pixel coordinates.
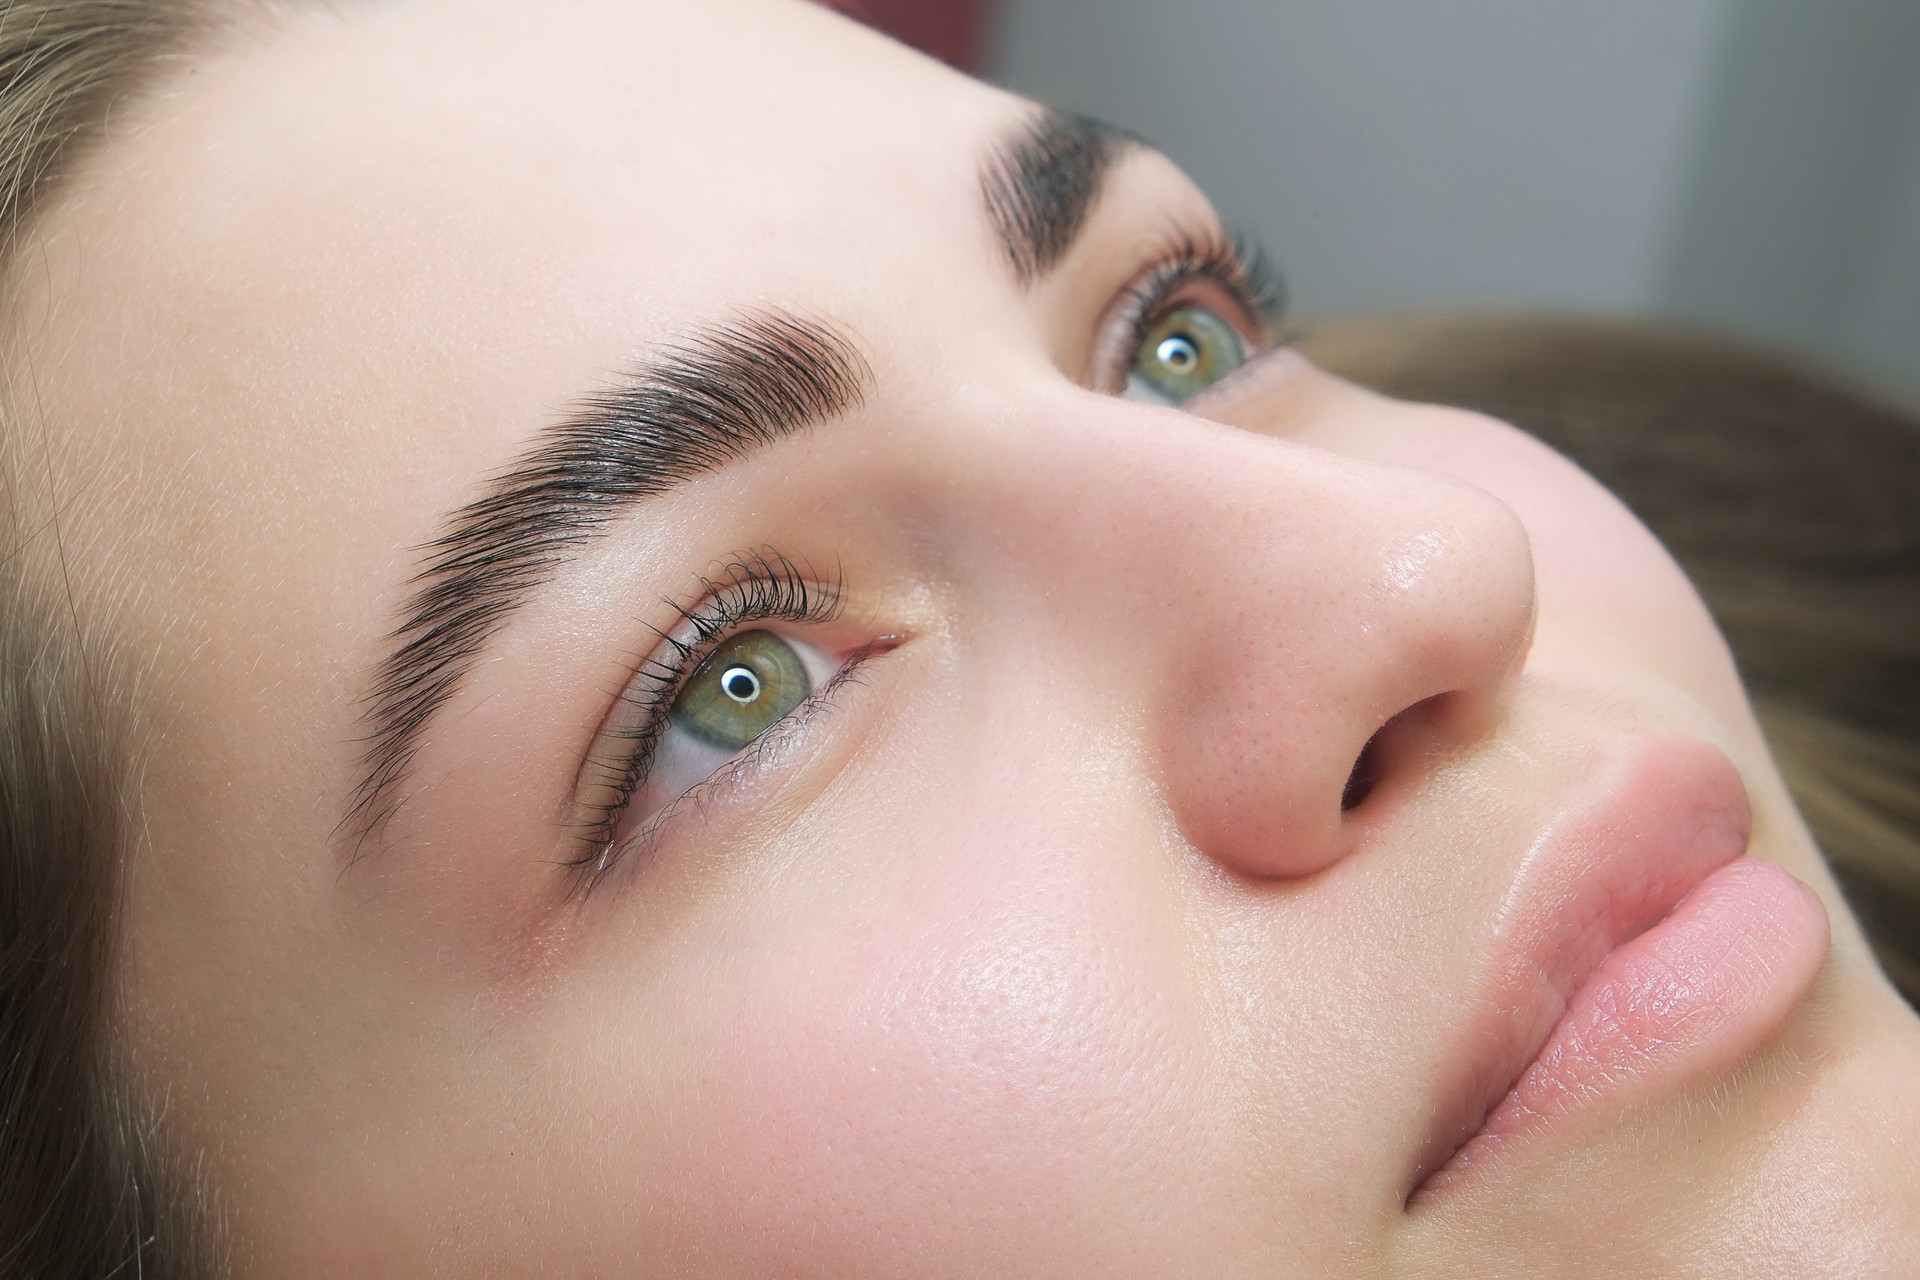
{"type": "Point", "coordinates": [1754, 164]}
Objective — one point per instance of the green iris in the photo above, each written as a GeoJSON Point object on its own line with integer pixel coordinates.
{"type": "Point", "coordinates": [1183, 353]}
{"type": "Point", "coordinates": [742, 690]}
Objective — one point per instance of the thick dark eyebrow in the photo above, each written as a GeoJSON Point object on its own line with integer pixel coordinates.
{"type": "Point", "coordinates": [700, 403]}
{"type": "Point", "coordinates": [1041, 183]}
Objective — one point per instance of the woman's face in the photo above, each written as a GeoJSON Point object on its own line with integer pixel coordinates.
{"type": "Point", "coordinates": [1291, 834]}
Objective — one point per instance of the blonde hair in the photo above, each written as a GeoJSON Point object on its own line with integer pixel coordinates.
{"type": "Point", "coordinates": [1792, 498]}
{"type": "Point", "coordinates": [84, 1189]}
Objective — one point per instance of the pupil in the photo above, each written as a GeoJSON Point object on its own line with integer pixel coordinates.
{"type": "Point", "coordinates": [1178, 352]}
{"type": "Point", "coordinates": [740, 684]}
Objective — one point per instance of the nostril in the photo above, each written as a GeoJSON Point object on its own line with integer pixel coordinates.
{"type": "Point", "coordinates": [1365, 774]}
{"type": "Point", "coordinates": [1391, 745]}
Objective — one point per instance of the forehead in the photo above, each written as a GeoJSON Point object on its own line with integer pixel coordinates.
{"type": "Point", "coordinates": [665, 152]}
{"type": "Point", "coordinates": [439, 173]}
{"type": "Point", "coordinates": [332, 238]}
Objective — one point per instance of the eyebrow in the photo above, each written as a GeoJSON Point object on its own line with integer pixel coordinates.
{"type": "Point", "coordinates": [1041, 183]}
{"type": "Point", "coordinates": [702, 402]}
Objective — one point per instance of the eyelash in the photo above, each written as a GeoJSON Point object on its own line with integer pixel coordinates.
{"type": "Point", "coordinates": [755, 586]}
{"type": "Point", "coordinates": [1229, 261]}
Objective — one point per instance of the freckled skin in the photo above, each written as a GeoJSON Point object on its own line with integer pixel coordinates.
{"type": "Point", "coordinates": [1052, 949]}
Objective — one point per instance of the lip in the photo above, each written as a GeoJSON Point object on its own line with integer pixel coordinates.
{"type": "Point", "coordinates": [1638, 950]}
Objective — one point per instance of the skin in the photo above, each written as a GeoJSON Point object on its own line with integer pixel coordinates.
{"type": "Point", "coordinates": [1050, 950]}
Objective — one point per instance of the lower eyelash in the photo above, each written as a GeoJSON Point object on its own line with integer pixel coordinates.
{"type": "Point", "coordinates": [760, 754]}
{"type": "Point", "coordinates": [755, 586]}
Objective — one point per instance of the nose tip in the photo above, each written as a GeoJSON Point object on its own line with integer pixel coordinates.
{"type": "Point", "coordinates": [1367, 654]}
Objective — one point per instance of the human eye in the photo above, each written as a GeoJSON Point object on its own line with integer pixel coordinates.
{"type": "Point", "coordinates": [731, 680]}
{"type": "Point", "coordinates": [1206, 307]}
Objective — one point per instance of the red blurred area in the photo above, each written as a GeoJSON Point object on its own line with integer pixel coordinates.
{"type": "Point", "coordinates": [954, 31]}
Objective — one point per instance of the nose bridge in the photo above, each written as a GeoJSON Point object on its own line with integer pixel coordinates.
{"type": "Point", "coordinates": [1273, 606]}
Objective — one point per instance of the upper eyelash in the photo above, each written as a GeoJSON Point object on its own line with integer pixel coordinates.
{"type": "Point", "coordinates": [1228, 259]}
{"type": "Point", "coordinates": [755, 586]}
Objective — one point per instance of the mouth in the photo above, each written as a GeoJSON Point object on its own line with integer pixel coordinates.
{"type": "Point", "coordinates": [1638, 950]}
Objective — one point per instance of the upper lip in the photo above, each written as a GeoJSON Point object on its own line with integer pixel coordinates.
{"type": "Point", "coordinates": [1655, 815]}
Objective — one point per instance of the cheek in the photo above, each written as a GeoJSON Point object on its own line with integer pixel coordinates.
{"type": "Point", "coordinates": [992, 1076]}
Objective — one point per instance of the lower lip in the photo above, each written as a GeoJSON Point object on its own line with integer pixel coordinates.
{"type": "Point", "coordinates": [1689, 999]}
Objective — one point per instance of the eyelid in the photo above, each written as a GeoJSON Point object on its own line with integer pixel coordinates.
{"type": "Point", "coordinates": [1245, 288]}
{"type": "Point", "coordinates": [753, 587]}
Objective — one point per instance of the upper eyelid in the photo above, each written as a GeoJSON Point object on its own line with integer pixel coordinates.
{"type": "Point", "coordinates": [1240, 306]}
{"type": "Point", "coordinates": [1235, 263]}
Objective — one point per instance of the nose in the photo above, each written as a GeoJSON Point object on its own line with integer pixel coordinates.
{"type": "Point", "coordinates": [1352, 603]}
{"type": "Point", "coordinates": [1285, 604]}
